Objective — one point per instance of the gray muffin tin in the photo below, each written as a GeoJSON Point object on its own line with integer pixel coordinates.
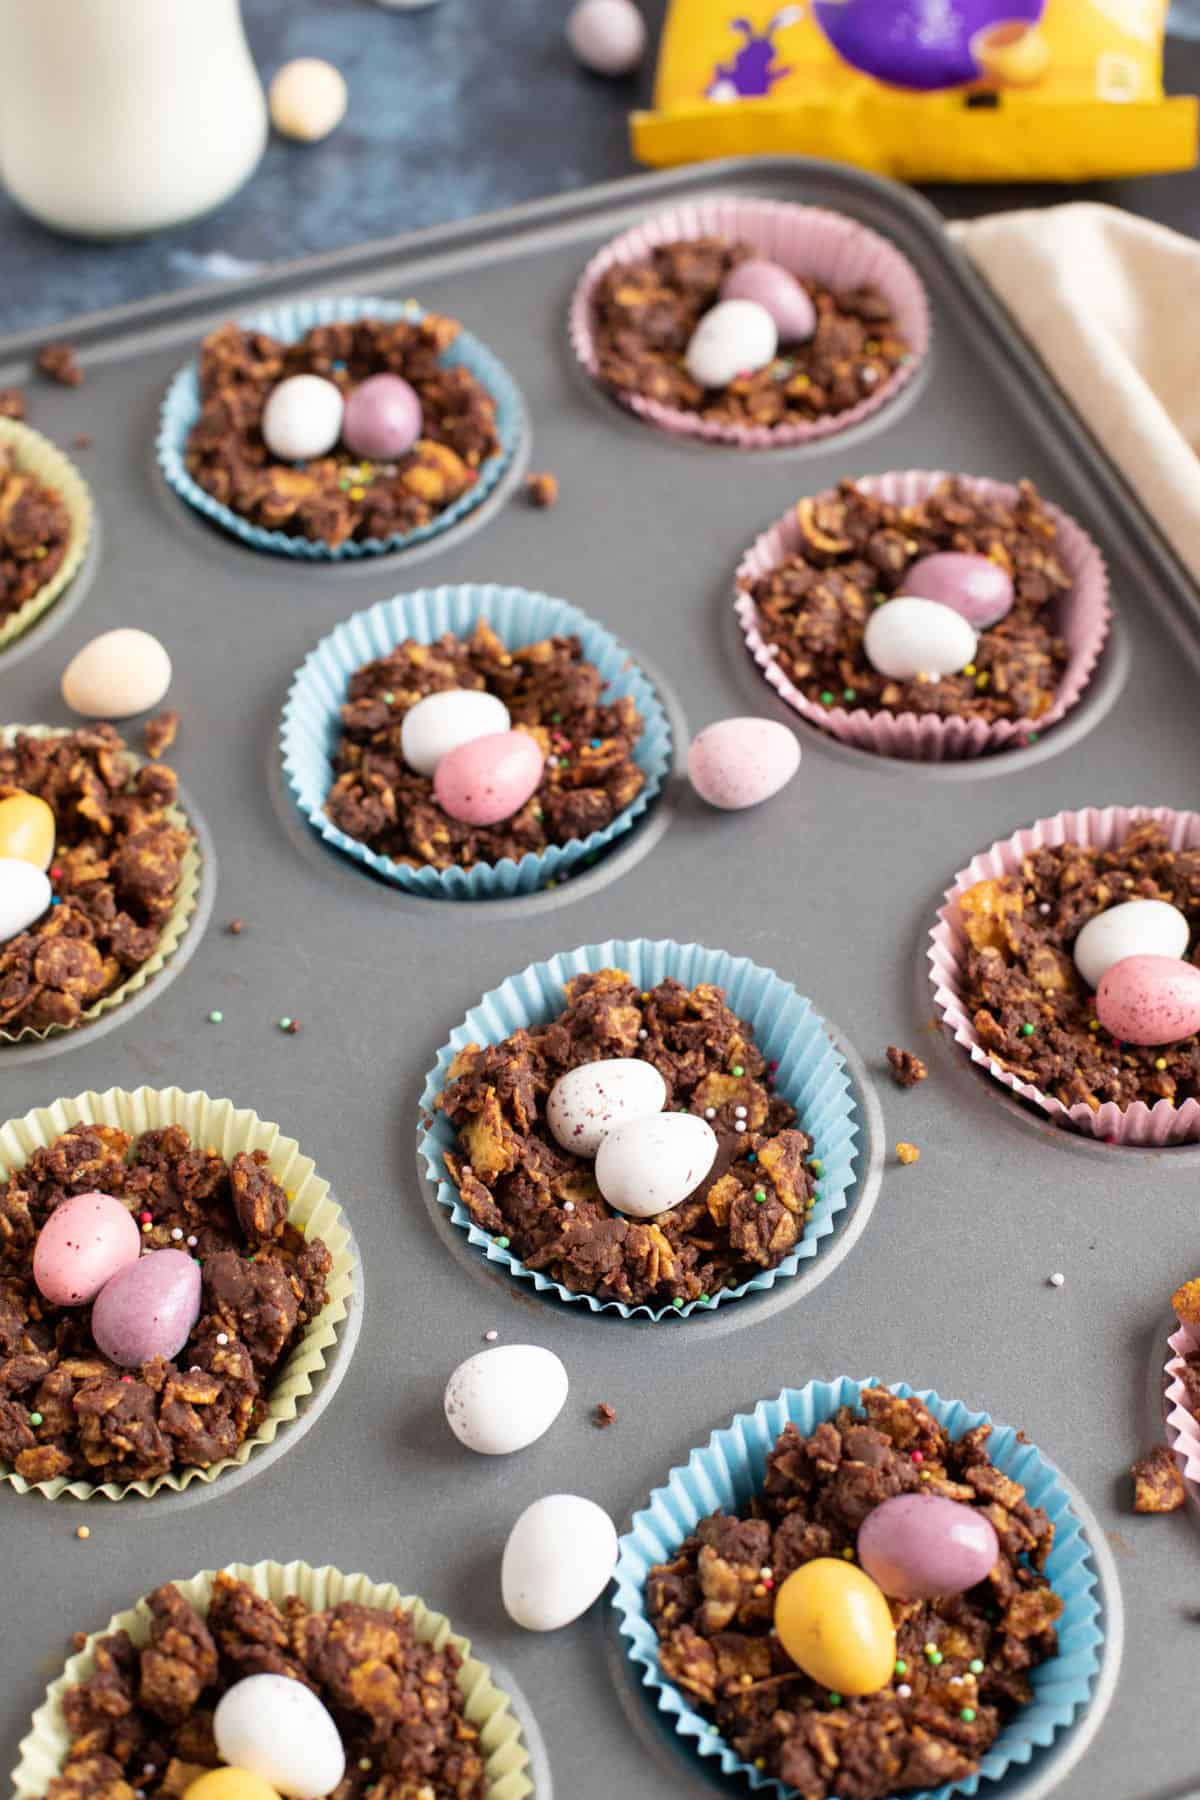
{"type": "Point", "coordinates": [834, 884]}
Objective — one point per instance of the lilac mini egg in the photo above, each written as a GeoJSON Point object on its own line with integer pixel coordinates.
{"type": "Point", "coordinates": [85, 1242]}
{"type": "Point", "coordinates": [1150, 1000]}
{"type": "Point", "coordinates": [490, 778]}
{"type": "Point", "coordinates": [147, 1309]}
{"type": "Point", "coordinates": [778, 292]}
{"type": "Point", "coordinates": [917, 1546]}
{"type": "Point", "coordinates": [741, 762]}
{"type": "Point", "coordinates": [973, 586]}
{"type": "Point", "coordinates": [383, 418]}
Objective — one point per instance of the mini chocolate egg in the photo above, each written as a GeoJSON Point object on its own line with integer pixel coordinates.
{"type": "Point", "coordinates": [383, 418]}
{"type": "Point", "coordinates": [975, 587]}
{"type": "Point", "coordinates": [607, 36]}
{"type": "Point", "coordinates": [278, 1729]}
{"type": "Point", "coordinates": [85, 1242]}
{"type": "Point", "coordinates": [307, 99]}
{"type": "Point", "coordinates": [24, 896]}
{"type": "Point", "coordinates": [117, 674]}
{"type": "Point", "coordinates": [229, 1784]}
{"type": "Point", "coordinates": [443, 722]}
{"type": "Point", "coordinates": [777, 290]}
{"type": "Point", "coordinates": [559, 1557]}
{"type": "Point", "coordinates": [302, 418]}
{"type": "Point", "coordinates": [835, 1624]}
{"type": "Point", "coordinates": [504, 1399]}
{"type": "Point", "coordinates": [27, 830]}
{"type": "Point", "coordinates": [649, 1165]}
{"type": "Point", "coordinates": [1134, 928]}
{"type": "Point", "coordinates": [742, 762]}
{"type": "Point", "coordinates": [908, 637]}
{"type": "Point", "coordinates": [490, 778]}
{"type": "Point", "coordinates": [735, 337]}
{"type": "Point", "coordinates": [1150, 1000]}
{"type": "Point", "coordinates": [588, 1102]}
{"type": "Point", "coordinates": [147, 1308]}
{"type": "Point", "coordinates": [917, 1546]}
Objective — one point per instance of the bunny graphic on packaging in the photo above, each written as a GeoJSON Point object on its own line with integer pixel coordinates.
{"type": "Point", "coordinates": [753, 71]}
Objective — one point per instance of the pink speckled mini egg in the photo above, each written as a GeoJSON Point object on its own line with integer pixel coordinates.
{"type": "Point", "coordinates": [1150, 1000]}
{"type": "Point", "coordinates": [85, 1242]}
{"type": "Point", "coordinates": [741, 762]}
{"type": "Point", "coordinates": [490, 778]}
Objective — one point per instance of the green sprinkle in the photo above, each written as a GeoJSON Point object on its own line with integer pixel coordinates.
{"type": "Point", "coordinates": [538, 813]}
{"type": "Point", "coordinates": [1027, 1030]}
{"type": "Point", "coordinates": [677, 1303]}
{"type": "Point", "coordinates": [704, 1299]}
{"type": "Point", "coordinates": [849, 694]}
{"type": "Point", "coordinates": [556, 718]}
{"type": "Point", "coordinates": [215, 1017]}
{"type": "Point", "coordinates": [901, 1666]}
{"type": "Point", "coordinates": [501, 1243]}
{"type": "Point", "coordinates": [935, 1657]}
{"type": "Point", "coordinates": [737, 1069]}
{"type": "Point", "coordinates": [967, 1715]}
{"type": "Point", "coordinates": [827, 697]}
{"type": "Point", "coordinates": [760, 1196]}
{"type": "Point", "coordinates": [387, 698]}
{"type": "Point", "coordinates": [975, 1666]}
{"type": "Point", "coordinates": [284, 1023]}
{"type": "Point", "coordinates": [35, 1418]}
{"type": "Point", "coordinates": [878, 596]}
{"type": "Point", "coordinates": [834, 1699]}
{"type": "Point", "coordinates": [713, 1729]}
{"type": "Point", "coordinates": [817, 1166]}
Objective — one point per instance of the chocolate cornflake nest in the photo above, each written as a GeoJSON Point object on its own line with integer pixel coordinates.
{"type": "Point", "coordinates": [339, 496]}
{"type": "Point", "coordinates": [1018, 971]}
{"type": "Point", "coordinates": [66, 1409]}
{"type": "Point", "coordinates": [550, 690]}
{"type": "Point", "coordinates": [143, 1722]}
{"type": "Point", "coordinates": [813, 608]}
{"type": "Point", "coordinates": [644, 314]}
{"type": "Point", "coordinates": [516, 1181]}
{"type": "Point", "coordinates": [35, 532]}
{"type": "Point", "coordinates": [115, 873]}
{"type": "Point", "coordinates": [712, 1606]}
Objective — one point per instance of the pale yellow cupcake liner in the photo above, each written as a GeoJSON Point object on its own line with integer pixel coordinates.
{"type": "Point", "coordinates": [172, 931]}
{"type": "Point", "coordinates": [53, 470]}
{"type": "Point", "coordinates": [219, 1125]}
{"type": "Point", "coordinates": [43, 1751]}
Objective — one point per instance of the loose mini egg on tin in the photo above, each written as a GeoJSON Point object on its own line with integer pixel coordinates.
{"type": "Point", "coordinates": [975, 587]}
{"type": "Point", "coordinates": [229, 1784]}
{"type": "Point", "coordinates": [608, 36]}
{"type": "Point", "coordinates": [649, 1165]}
{"type": "Point", "coordinates": [588, 1102]}
{"type": "Point", "coordinates": [559, 1557]}
{"type": "Point", "coordinates": [742, 762]}
{"type": "Point", "coordinates": [1134, 928]}
{"type": "Point", "coordinates": [775, 288]}
{"type": "Point", "coordinates": [382, 419]}
{"type": "Point", "coordinates": [442, 722]}
{"type": "Point", "coordinates": [490, 778]}
{"type": "Point", "coordinates": [24, 896]}
{"type": "Point", "coordinates": [117, 674]}
{"type": "Point", "coordinates": [307, 99]}
{"type": "Point", "coordinates": [27, 830]}
{"type": "Point", "coordinates": [1150, 1000]}
{"type": "Point", "coordinates": [917, 1546]}
{"type": "Point", "coordinates": [86, 1241]}
{"type": "Point", "coordinates": [280, 1731]}
{"type": "Point", "coordinates": [836, 1625]}
{"type": "Point", "coordinates": [907, 637]}
{"type": "Point", "coordinates": [504, 1399]}
{"type": "Point", "coordinates": [302, 418]}
{"type": "Point", "coordinates": [736, 337]}
{"type": "Point", "coordinates": [147, 1309]}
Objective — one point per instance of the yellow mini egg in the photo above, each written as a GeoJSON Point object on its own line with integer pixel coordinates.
{"type": "Point", "coordinates": [835, 1624]}
{"type": "Point", "coordinates": [27, 830]}
{"type": "Point", "coordinates": [229, 1784]}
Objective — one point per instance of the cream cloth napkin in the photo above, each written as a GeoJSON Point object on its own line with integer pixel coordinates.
{"type": "Point", "coordinates": [1111, 301]}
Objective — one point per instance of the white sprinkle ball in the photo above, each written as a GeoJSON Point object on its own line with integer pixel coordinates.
{"type": "Point", "coordinates": [489, 1337]}
{"type": "Point", "coordinates": [222, 1337]}
{"type": "Point", "coordinates": [1043, 906]}
{"type": "Point", "coordinates": [739, 1125]}
{"type": "Point", "coordinates": [568, 1206]}
{"type": "Point", "coordinates": [643, 1034]}
{"type": "Point", "coordinates": [904, 1691]}
{"type": "Point", "coordinates": [1057, 1279]}
{"type": "Point", "coordinates": [192, 1242]}
{"type": "Point", "coordinates": [739, 1112]}
{"type": "Point", "coordinates": [176, 1233]}
{"type": "Point", "coordinates": [710, 1112]}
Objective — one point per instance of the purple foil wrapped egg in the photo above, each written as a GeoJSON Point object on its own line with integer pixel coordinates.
{"type": "Point", "coordinates": [917, 1546]}
{"type": "Point", "coordinates": [1150, 1000]}
{"type": "Point", "coordinates": [975, 587]}
{"type": "Point", "coordinates": [383, 418]}
{"type": "Point", "coordinates": [148, 1309]}
{"type": "Point", "coordinates": [896, 42]}
{"type": "Point", "coordinates": [778, 292]}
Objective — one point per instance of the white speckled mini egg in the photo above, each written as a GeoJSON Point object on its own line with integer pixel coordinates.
{"type": "Point", "coordinates": [734, 338]}
{"type": "Point", "coordinates": [646, 1167]}
{"type": "Point", "coordinates": [25, 894]}
{"type": "Point", "coordinates": [302, 418]}
{"type": "Point", "coordinates": [588, 1102]}
{"type": "Point", "coordinates": [608, 36]}
{"type": "Point", "coordinates": [117, 674]}
{"type": "Point", "coordinates": [504, 1399]}
{"type": "Point", "coordinates": [280, 1731]}
{"type": "Point", "coordinates": [559, 1557]}
{"type": "Point", "coordinates": [1135, 928]}
{"type": "Point", "coordinates": [441, 722]}
{"type": "Point", "coordinates": [909, 637]}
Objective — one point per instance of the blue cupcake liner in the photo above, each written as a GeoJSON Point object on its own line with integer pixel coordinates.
{"type": "Point", "coordinates": [181, 409]}
{"type": "Point", "coordinates": [311, 722]}
{"type": "Point", "coordinates": [729, 1471]}
{"type": "Point", "coordinates": [811, 1075]}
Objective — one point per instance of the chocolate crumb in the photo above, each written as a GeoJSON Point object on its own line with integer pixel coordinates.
{"type": "Point", "coordinates": [907, 1153]}
{"type": "Point", "coordinates": [236, 927]}
{"type": "Point", "coordinates": [604, 1415]}
{"type": "Point", "coordinates": [907, 1067]}
{"type": "Point", "coordinates": [541, 490]}
{"type": "Point", "coordinates": [159, 733]}
{"type": "Point", "coordinates": [61, 364]}
{"type": "Point", "coordinates": [1157, 1484]}
{"type": "Point", "coordinates": [292, 1027]}
{"type": "Point", "coordinates": [12, 403]}
{"type": "Point", "coordinates": [83, 440]}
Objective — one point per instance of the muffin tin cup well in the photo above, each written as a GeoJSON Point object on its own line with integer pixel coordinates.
{"type": "Point", "coordinates": [311, 723]}
{"type": "Point", "coordinates": [728, 1471]}
{"type": "Point", "coordinates": [811, 1075]}
{"type": "Point", "coordinates": [1084, 618]}
{"type": "Point", "coordinates": [43, 1750]}
{"type": "Point", "coordinates": [181, 410]}
{"type": "Point", "coordinates": [825, 246]}
{"type": "Point", "coordinates": [191, 876]}
{"type": "Point", "coordinates": [312, 1209]}
{"type": "Point", "coordinates": [1139, 1125]}
{"type": "Point", "coordinates": [52, 469]}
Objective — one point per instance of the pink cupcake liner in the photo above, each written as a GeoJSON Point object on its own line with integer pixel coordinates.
{"type": "Point", "coordinates": [1084, 617]}
{"type": "Point", "coordinates": [1183, 1429]}
{"type": "Point", "coordinates": [1139, 1124]}
{"type": "Point", "coordinates": [837, 251]}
